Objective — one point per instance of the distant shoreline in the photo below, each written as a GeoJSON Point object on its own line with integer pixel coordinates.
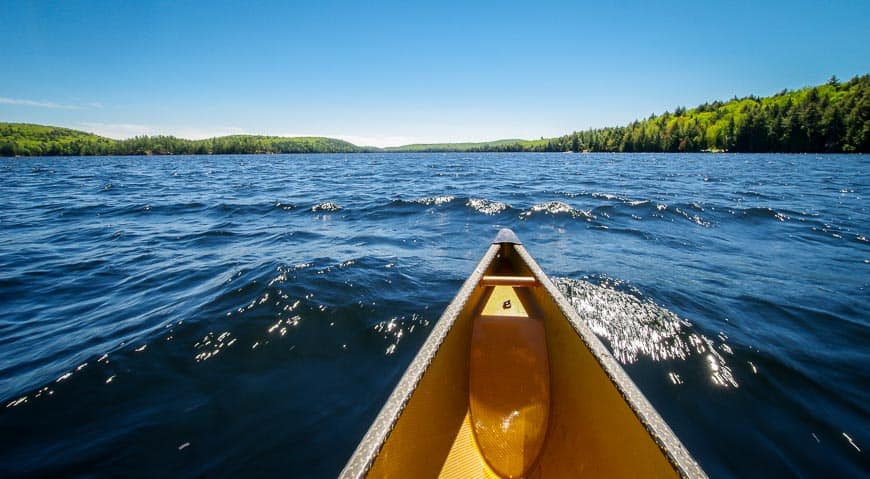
{"type": "Point", "coordinates": [613, 153]}
{"type": "Point", "coordinates": [829, 118]}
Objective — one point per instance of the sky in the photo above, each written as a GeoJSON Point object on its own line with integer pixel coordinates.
{"type": "Point", "coordinates": [391, 73]}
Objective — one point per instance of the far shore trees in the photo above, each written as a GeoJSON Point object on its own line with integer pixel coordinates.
{"type": "Point", "coordinates": [829, 118]}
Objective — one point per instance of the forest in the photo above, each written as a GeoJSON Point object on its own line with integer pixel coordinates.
{"type": "Point", "coordinates": [829, 118]}
{"type": "Point", "coordinates": [21, 139]}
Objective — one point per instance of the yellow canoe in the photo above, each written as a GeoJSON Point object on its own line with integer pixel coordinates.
{"type": "Point", "coordinates": [511, 383]}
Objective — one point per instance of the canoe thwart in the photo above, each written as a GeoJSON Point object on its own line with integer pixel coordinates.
{"type": "Point", "coordinates": [516, 281]}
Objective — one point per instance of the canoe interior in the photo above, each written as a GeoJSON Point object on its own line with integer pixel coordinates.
{"type": "Point", "coordinates": [575, 422]}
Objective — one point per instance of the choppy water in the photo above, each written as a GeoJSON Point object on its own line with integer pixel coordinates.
{"type": "Point", "coordinates": [238, 316]}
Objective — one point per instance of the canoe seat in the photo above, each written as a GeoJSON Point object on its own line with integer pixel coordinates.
{"type": "Point", "coordinates": [516, 281]}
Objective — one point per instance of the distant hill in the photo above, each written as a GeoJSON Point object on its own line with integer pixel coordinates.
{"type": "Point", "coordinates": [36, 140]}
{"type": "Point", "coordinates": [829, 118]}
{"type": "Point", "coordinates": [26, 140]}
{"type": "Point", "coordinates": [498, 145]}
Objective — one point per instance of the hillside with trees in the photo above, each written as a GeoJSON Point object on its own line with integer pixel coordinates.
{"type": "Point", "coordinates": [830, 118]}
{"type": "Point", "coordinates": [21, 139]}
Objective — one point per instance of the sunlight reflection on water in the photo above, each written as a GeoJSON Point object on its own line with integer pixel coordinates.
{"type": "Point", "coordinates": [636, 328]}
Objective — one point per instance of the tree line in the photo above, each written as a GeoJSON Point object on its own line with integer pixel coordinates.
{"type": "Point", "coordinates": [829, 118]}
{"type": "Point", "coordinates": [18, 139]}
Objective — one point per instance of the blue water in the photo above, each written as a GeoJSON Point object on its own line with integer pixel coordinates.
{"type": "Point", "coordinates": [249, 315]}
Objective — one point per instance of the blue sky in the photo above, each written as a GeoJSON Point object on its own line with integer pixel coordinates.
{"type": "Point", "coordinates": [389, 73]}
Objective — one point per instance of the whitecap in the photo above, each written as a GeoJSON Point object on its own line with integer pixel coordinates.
{"type": "Point", "coordinates": [327, 206]}
{"type": "Point", "coordinates": [435, 200]}
{"type": "Point", "coordinates": [485, 206]}
{"type": "Point", "coordinates": [556, 208]}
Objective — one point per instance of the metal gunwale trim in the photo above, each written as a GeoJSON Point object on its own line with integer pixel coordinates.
{"type": "Point", "coordinates": [661, 433]}
{"type": "Point", "coordinates": [369, 447]}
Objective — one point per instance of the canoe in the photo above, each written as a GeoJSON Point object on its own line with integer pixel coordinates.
{"type": "Point", "coordinates": [512, 383]}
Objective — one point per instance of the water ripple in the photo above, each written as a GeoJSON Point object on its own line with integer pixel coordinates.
{"type": "Point", "coordinates": [144, 300]}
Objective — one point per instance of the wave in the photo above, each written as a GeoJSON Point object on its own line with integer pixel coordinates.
{"type": "Point", "coordinates": [485, 206]}
{"type": "Point", "coordinates": [696, 212]}
{"type": "Point", "coordinates": [490, 207]}
{"type": "Point", "coordinates": [694, 218]}
{"type": "Point", "coordinates": [702, 214]}
{"type": "Point", "coordinates": [556, 208]}
{"type": "Point", "coordinates": [326, 207]}
{"type": "Point", "coordinates": [762, 213]}
{"type": "Point", "coordinates": [482, 206]}
{"type": "Point", "coordinates": [434, 200]}
{"type": "Point", "coordinates": [606, 209]}
{"type": "Point", "coordinates": [221, 209]}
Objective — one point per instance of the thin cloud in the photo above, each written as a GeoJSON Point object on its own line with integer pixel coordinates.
{"type": "Point", "coordinates": [47, 104]}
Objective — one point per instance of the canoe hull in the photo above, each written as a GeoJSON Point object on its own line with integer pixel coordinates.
{"type": "Point", "coordinates": [597, 424]}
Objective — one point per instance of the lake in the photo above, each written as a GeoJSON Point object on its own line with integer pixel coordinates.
{"type": "Point", "coordinates": [249, 315]}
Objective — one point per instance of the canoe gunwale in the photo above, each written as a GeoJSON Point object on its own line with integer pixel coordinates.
{"type": "Point", "coordinates": [367, 451]}
{"type": "Point", "coordinates": [658, 429]}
